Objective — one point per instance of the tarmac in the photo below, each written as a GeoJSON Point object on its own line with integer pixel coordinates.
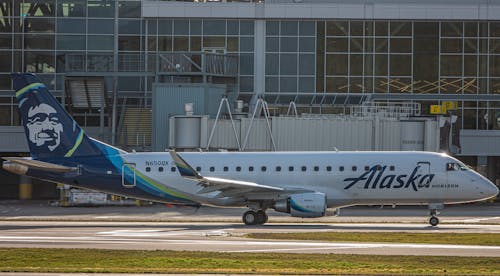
{"type": "Point", "coordinates": [479, 213]}
{"type": "Point", "coordinates": [159, 227]}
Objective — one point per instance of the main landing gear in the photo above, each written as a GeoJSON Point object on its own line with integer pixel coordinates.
{"type": "Point", "coordinates": [252, 217]}
{"type": "Point", "coordinates": [433, 221]}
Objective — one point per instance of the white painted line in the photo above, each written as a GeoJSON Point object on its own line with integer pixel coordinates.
{"type": "Point", "coordinates": [474, 220]}
{"type": "Point", "coordinates": [274, 244]}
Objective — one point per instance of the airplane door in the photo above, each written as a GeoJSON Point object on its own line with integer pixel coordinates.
{"type": "Point", "coordinates": [128, 175]}
{"type": "Point", "coordinates": [424, 169]}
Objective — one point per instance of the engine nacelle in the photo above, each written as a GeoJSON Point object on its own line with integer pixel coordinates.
{"type": "Point", "coordinates": [306, 205]}
{"type": "Point", "coordinates": [14, 167]}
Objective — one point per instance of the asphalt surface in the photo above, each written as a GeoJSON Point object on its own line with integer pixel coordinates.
{"type": "Point", "coordinates": [212, 229]}
{"type": "Point", "coordinates": [41, 210]}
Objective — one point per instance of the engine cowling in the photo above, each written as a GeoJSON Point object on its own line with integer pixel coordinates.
{"type": "Point", "coordinates": [306, 205]}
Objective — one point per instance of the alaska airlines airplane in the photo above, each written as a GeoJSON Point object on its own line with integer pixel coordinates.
{"type": "Point", "coordinates": [302, 184]}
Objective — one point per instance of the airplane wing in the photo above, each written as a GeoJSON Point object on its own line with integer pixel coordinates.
{"type": "Point", "coordinates": [227, 187]}
{"type": "Point", "coordinates": [39, 165]}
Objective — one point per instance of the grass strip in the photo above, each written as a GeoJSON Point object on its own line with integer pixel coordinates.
{"type": "Point", "coordinates": [137, 261]}
{"type": "Point", "coordinates": [491, 239]}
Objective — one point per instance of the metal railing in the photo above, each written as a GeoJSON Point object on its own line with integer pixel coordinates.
{"type": "Point", "coordinates": [171, 63]}
{"type": "Point", "coordinates": [386, 109]}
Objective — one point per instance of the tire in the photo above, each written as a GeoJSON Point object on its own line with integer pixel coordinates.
{"type": "Point", "coordinates": [433, 221]}
{"type": "Point", "coordinates": [250, 218]}
{"type": "Point", "coordinates": [261, 217]}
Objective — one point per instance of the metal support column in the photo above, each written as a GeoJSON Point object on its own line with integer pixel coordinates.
{"type": "Point", "coordinates": [217, 118]}
{"type": "Point", "coordinates": [25, 187]}
{"type": "Point", "coordinates": [259, 61]}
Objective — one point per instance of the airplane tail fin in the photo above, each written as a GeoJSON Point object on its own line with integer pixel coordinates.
{"type": "Point", "coordinates": [51, 132]}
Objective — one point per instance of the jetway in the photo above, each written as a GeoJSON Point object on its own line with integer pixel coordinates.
{"type": "Point", "coordinates": [308, 133]}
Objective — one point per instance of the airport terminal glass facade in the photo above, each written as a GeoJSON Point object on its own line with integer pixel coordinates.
{"type": "Point", "coordinates": [314, 62]}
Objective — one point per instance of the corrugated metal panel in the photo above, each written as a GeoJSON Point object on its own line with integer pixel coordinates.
{"type": "Point", "coordinates": [431, 136]}
{"type": "Point", "coordinates": [321, 134]}
{"type": "Point", "coordinates": [224, 137]}
{"type": "Point", "coordinates": [169, 100]}
{"type": "Point", "coordinates": [480, 142]}
{"type": "Point", "coordinates": [312, 134]}
{"type": "Point", "coordinates": [390, 135]}
{"type": "Point", "coordinates": [412, 135]}
{"type": "Point", "coordinates": [259, 138]}
{"type": "Point", "coordinates": [327, 9]}
{"type": "Point", "coordinates": [13, 139]}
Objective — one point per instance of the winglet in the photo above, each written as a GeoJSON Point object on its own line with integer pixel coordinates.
{"type": "Point", "coordinates": [184, 168]}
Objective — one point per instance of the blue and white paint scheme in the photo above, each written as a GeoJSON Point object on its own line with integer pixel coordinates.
{"type": "Point", "coordinates": [303, 184]}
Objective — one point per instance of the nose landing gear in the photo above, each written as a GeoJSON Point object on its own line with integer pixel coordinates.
{"type": "Point", "coordinates": [433, 209]}
{"type": "Point", "coordinates": [433, 221]}
{"type": "Point", "coordinates": [252, 217]}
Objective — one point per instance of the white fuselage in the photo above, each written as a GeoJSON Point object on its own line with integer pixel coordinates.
{"type": "Point", "coordinates": [346, 178]}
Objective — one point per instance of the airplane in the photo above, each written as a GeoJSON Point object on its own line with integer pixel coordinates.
{"type": "Point", "coordinates": [302, 184]}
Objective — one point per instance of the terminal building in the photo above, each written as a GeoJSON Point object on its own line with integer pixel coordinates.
{"type": "Point", "coordinates": [261, 75]}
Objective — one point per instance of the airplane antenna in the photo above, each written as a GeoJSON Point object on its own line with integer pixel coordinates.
{"type": "Point", "coordinates": [336, 149]}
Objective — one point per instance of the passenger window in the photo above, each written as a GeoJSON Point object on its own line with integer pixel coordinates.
{"type": "Point", "coordinates": [367, 168]}
{"type": "Point", "coordinates": [212, 169]}
{"type": "Point", "coordinates": [198, 169]}
{"type": "Point", "coordinates": [354, 168]}
{"type": "Point", "coordinates": [238, 168]}
{"type": "Point", "coordinates": [263, 168]}
{"type": "Point", "coordinates": [391, 168]}
{"type": "Point", "coordinates": [328, 168]}
{"type": "Point", "coordinates": [303, 168]}
{"type": "Point", "coordinates": [226, 169]}
{"type": "Point", "coordinates": [278, 169]}
{"type": "Point", "coordinates": [379, 167]}
{"type": "Point", "coordinates": [341, 168]}
{"type": "Point", "coordinates": [316, 168]}
{"type": "Point", "coordinates": [148, 169]}
{"type": "Point", "coordinates": [250, 169]}
{"type": "Point", "coordinates": [172, 169]}
{"type": "Point", "coordinates": [290, 168]}
{"type": "Point", "coordinates": [160, 169]}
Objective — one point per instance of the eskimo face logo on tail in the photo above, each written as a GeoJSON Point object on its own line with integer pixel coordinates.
{"type": "Point", "coordinates": [44, 126]}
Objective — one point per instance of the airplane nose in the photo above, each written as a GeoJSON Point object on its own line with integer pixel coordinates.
{"type": "Point", "coordinates": [493, 190]}
{"type": "Point", "coordinates": [489, 189]}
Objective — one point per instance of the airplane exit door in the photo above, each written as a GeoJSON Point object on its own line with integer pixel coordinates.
{"type": "Point", "coordinates": [128, 175]}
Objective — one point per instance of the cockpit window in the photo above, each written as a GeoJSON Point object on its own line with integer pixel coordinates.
{"type": "Point", "coordinates": [456, 167]}
{"type": "Point", "coordinates": [463, 167]}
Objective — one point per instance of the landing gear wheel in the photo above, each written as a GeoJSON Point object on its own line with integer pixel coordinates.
{"type": "Point", "coordinates": [250, 218]}
{"type": "Point", "coordinates": [261, 217]}
{"type": "Point", "coordinates": [433, 221]}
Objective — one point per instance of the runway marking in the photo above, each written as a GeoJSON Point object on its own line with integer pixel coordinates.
{"type": "Point", "coordinates": [253, 243]}
{"type": "Point", "coordinates": [474, 220]}
{"type": "Point", "coordinates": [132, 233]}
{"type": "Point", "coordinates": [284, 249]}
{"type": "Point", "coordinates": [159, 233]}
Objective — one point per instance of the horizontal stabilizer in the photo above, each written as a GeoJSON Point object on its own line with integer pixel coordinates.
{"type": "Point", "coordinates": [39, 165]}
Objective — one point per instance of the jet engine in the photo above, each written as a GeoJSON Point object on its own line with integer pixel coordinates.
{"type": "Point", "coordinates": [305, 205]}
{"type": "Point", "coordinates": [14, 167]}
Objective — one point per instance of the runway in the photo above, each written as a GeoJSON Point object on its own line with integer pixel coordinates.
{"type": "Point", "coordinates": [228, 237]}
{"type": "Point", "coordinates": [157, 227]}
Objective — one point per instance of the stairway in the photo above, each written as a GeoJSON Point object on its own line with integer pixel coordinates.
{"type": "Point", "coordinates": [136, 129]}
